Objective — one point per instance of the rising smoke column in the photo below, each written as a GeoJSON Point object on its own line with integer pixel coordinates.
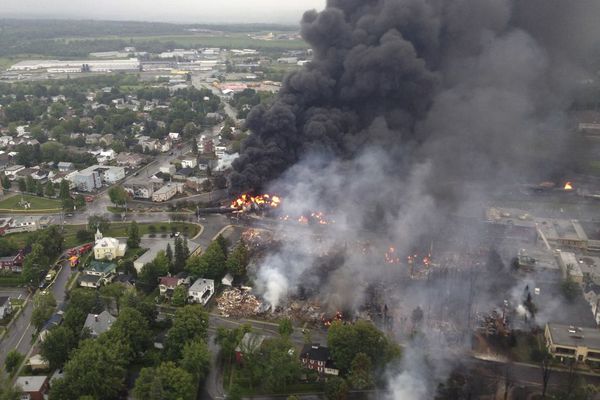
{"type": "Point", "coordinates": [411, 110]}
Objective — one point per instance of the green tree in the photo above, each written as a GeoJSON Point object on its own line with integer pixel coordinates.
{"type": "Point", "coordinates": [57, 345]}
{"type": "Point", "coordinates": [6, 182]}
{"type": "Point", "coordinates": [210, 265]}
{"type": "Point", "coordinates": [133, 241]}
{"type": "Point", "coordinates": [360, 373]}
{"type": "Point", "coordinates": [22, 185]}
{"type": "Point", "coordinates": [223, 244]}
{"type": "Point", "coordinates": [68, 204]}
{"type": "Point", "coordinates": [169, 253]}
{"type": "Point", "coordinates": [118, 196]}
{"type": "Point", "coordinates": [285, 327]}
{"type": "Point", "coordinates": [13, 361]}
{"type": "Point", "coordinates": [7, 390]}
{"type": "Point", "coordinates": [98, 222]}
{"type": "Point", "coordinates": [132, 330]}
{"type": "Point", "coordinates": [345, 341]}
{"type": "Point", "coordinates": [50, 191]}
{"type": "Point", "coordinates": [229, 339]}
{"type": "Point", "coordinates": [43, 307]}
{"type": "Point", "coordinates": [166, 382]}
{"type": "Point", "coordinates": [180, 257]}
{"type": "Point", "coordinates": [96, 368]}
{"type": "Point", "coordinates": [179, 296]}
{"type": "Point", "coordinates": [64, 191]}
{"type": "Point", "coordinates": [35, 264]}
{"type": "Point", "coordinates": [237, 262]}
{"type": "Point", "coordinates": [195, 359]}
{"type": "Point", "coordinates": [39, 189]}
{"type": "Point", "coordinates": [336, 389]}
{"type": "Point", "coordinates": [570, 289]}
{"type": "Point", "coordinates": [280, 364]}
{"type": "Point", "coordinates": [30, 184]}
{"type": "Point", "coordinates": [150, 273]}
{"type": "Point", "coordinates": [190, 324]}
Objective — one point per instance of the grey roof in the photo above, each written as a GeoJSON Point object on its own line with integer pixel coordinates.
{"type": "Point", "coordinates": [31, 383]}
{"type": "Point", "coordinates": [93, 279]}
{"type": "Point", "coordinates": [573, 336]}
{"type": "Point", "coordinates": [4, 300]}
{"type": "Point", "coordinates": [99, 323]}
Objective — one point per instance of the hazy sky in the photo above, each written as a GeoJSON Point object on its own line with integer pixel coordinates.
{"type": "Point", "coordinates": [201, 11]}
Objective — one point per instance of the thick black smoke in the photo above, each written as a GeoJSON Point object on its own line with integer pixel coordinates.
{"type": "Point", "coordinates": [407, 63]}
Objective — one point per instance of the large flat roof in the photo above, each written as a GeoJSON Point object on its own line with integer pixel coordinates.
{"type": "Point", "coordinates": [574, 336]}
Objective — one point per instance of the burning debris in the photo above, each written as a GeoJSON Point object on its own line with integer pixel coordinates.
{"type": "Point", "coordinates": [238, 303]}
{"type": "Point", "coordinates": [314, 218]}
{"type": "Point", "coordinates": [568, 186]}
{"type": "Point", "coordinates": [246, 203]}
{"type": "Point", "coordinates": [257, 238]}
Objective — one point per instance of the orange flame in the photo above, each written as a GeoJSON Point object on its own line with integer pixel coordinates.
{"type": "Point", "coordinates": [260, 201]}
{"type": "Point", "coordinates": [568, 186]}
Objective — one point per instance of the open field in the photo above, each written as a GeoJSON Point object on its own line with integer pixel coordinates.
{"type": "Point", "coordinates": [233, 40]}
{"type": "Point", "coordinates": [38, 204]}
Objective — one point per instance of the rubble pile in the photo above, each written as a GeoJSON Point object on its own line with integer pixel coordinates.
{"type": "Point", "coordinates": [238, 303]}
{"type": "Point", "coordinates": [256, 238]}
{"type": "Point", "coordinates": [493, 324]}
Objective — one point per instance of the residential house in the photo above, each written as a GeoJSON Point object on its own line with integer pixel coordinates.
{"type": "Point", "coordinates": [167, 169]}
{"type": "Point", "coordinates": [164, 146]}
{"type": "Point", "coordinates": [33, 387]}
{"type": "Point", "coordinates": [317, 358]}
{"type": "Point", "coordinates": [107, 248]}
{"type": "Point", "coordinates": [250, 343]}
{"type": "Point", "coordinates": [189, 162]}
{"type": "Point", "coordinates": [183, 174]}
{"type": "Point", "coordinates": [13, 170]}
{"type": "Point", "coordinates": [195, 183]}
{"type": "Point", "coordinates": [201, 291]}
{"type": "Point", "coordinates": [65, 166]}
{"type": "Point", "coordinates": [55, 320]}
{"type": "Point", "coordinates": [107, 139]}
{"type": "Point", "coordinates": [167, 192]}
{"type": "Point", "coordinates": [38, 363]}
{"type": "Point", "coordinates": [167, 284]}
{"type": "Point", "coordinates": [5, 307]}
{"type": "Point", "coordinates": [220, 151]}
{"type": "Point", "coordinates": [140, 188]}
{"type": "Point", "coordinates": [130, 160]}
{"type": "Point", "coordinates": [204, 163]}
{"type": "Point", "coordinates": [13, 263]}
{"type": "Point", "coordinates": [97, 324]}
{"type": "Point", "coordinates": [175, 136]}
{"type": "Point", "coordinates": [92, 138]}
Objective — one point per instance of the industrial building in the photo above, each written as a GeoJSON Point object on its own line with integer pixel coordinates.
{"type": "Point", "coordinates": [57, 66]}
{"type": "Point", "coordinates": [571, 342]}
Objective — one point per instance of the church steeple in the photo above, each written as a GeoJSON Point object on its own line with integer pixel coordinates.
{"type": "Point", "coordinates": [98, 234]}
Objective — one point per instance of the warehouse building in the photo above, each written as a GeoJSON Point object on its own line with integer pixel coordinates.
{"type": "Point", "coordinates": [571, 342]}
{"type": "Point", "coordinates": [130, 64]}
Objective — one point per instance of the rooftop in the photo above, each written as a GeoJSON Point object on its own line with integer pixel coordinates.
{"type": "Point", "coordinates": [103, 267]}
{"type": "Point", "coordinates": [4, 300]}
{"type": "Point", "coordinates": [315, 352]}
{"type": "Point", "coordinates": [99, 323]}
{"type": "Point", "coordinates": [568, 335]}
{"type": "Point", "coordinates": [31, 383]}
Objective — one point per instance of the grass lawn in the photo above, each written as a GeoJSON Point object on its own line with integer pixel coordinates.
{"type": "Point", "coordinates": [234, 373]}
{"type": "Point", "coordinates": [38, 204]}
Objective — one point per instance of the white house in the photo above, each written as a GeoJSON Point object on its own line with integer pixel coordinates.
{"type": "Point", "coordinates": [201, 291]}
{"type": "Point", "coordinates": [189, 162]}
{"type": "Point", "coordinates": [108, 248]}
{"type": "Point", "coordinates": [174, 136]}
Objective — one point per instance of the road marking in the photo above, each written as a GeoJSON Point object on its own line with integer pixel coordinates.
{"type": "Point", "coordinates": [22, 336]}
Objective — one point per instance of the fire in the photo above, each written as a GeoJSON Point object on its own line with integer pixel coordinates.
{"type": "Point", "coordinates": [568, 186]}
{"type": "Point", "coordinates": [339, 316]}
{"type": "Point", "coordinates": [246, 201]}
{"type": "Point", "coordinates": [391, 257]}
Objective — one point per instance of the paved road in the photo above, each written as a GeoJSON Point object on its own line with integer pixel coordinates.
{"type": "Point", "coordinates": [21, 332]}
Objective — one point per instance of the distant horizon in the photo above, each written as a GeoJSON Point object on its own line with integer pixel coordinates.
{"type": "Point", "coordinates": [75, 18]}
{"type": "Point", "coordinates": [172, 11]}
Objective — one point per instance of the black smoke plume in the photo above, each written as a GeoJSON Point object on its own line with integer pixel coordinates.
{"type": "Point", "coordinates": [406, 62]}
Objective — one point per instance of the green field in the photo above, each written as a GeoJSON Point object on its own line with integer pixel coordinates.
{"type": "Point", "coordinates": [118, 229]}
{"type": "Point", "coordinates": [38, 204]}
{"type": "Point", "coordinates": [233, 40]}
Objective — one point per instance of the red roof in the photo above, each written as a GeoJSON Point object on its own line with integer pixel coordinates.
{"type": "Point", "coordinates": [169, 281]}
